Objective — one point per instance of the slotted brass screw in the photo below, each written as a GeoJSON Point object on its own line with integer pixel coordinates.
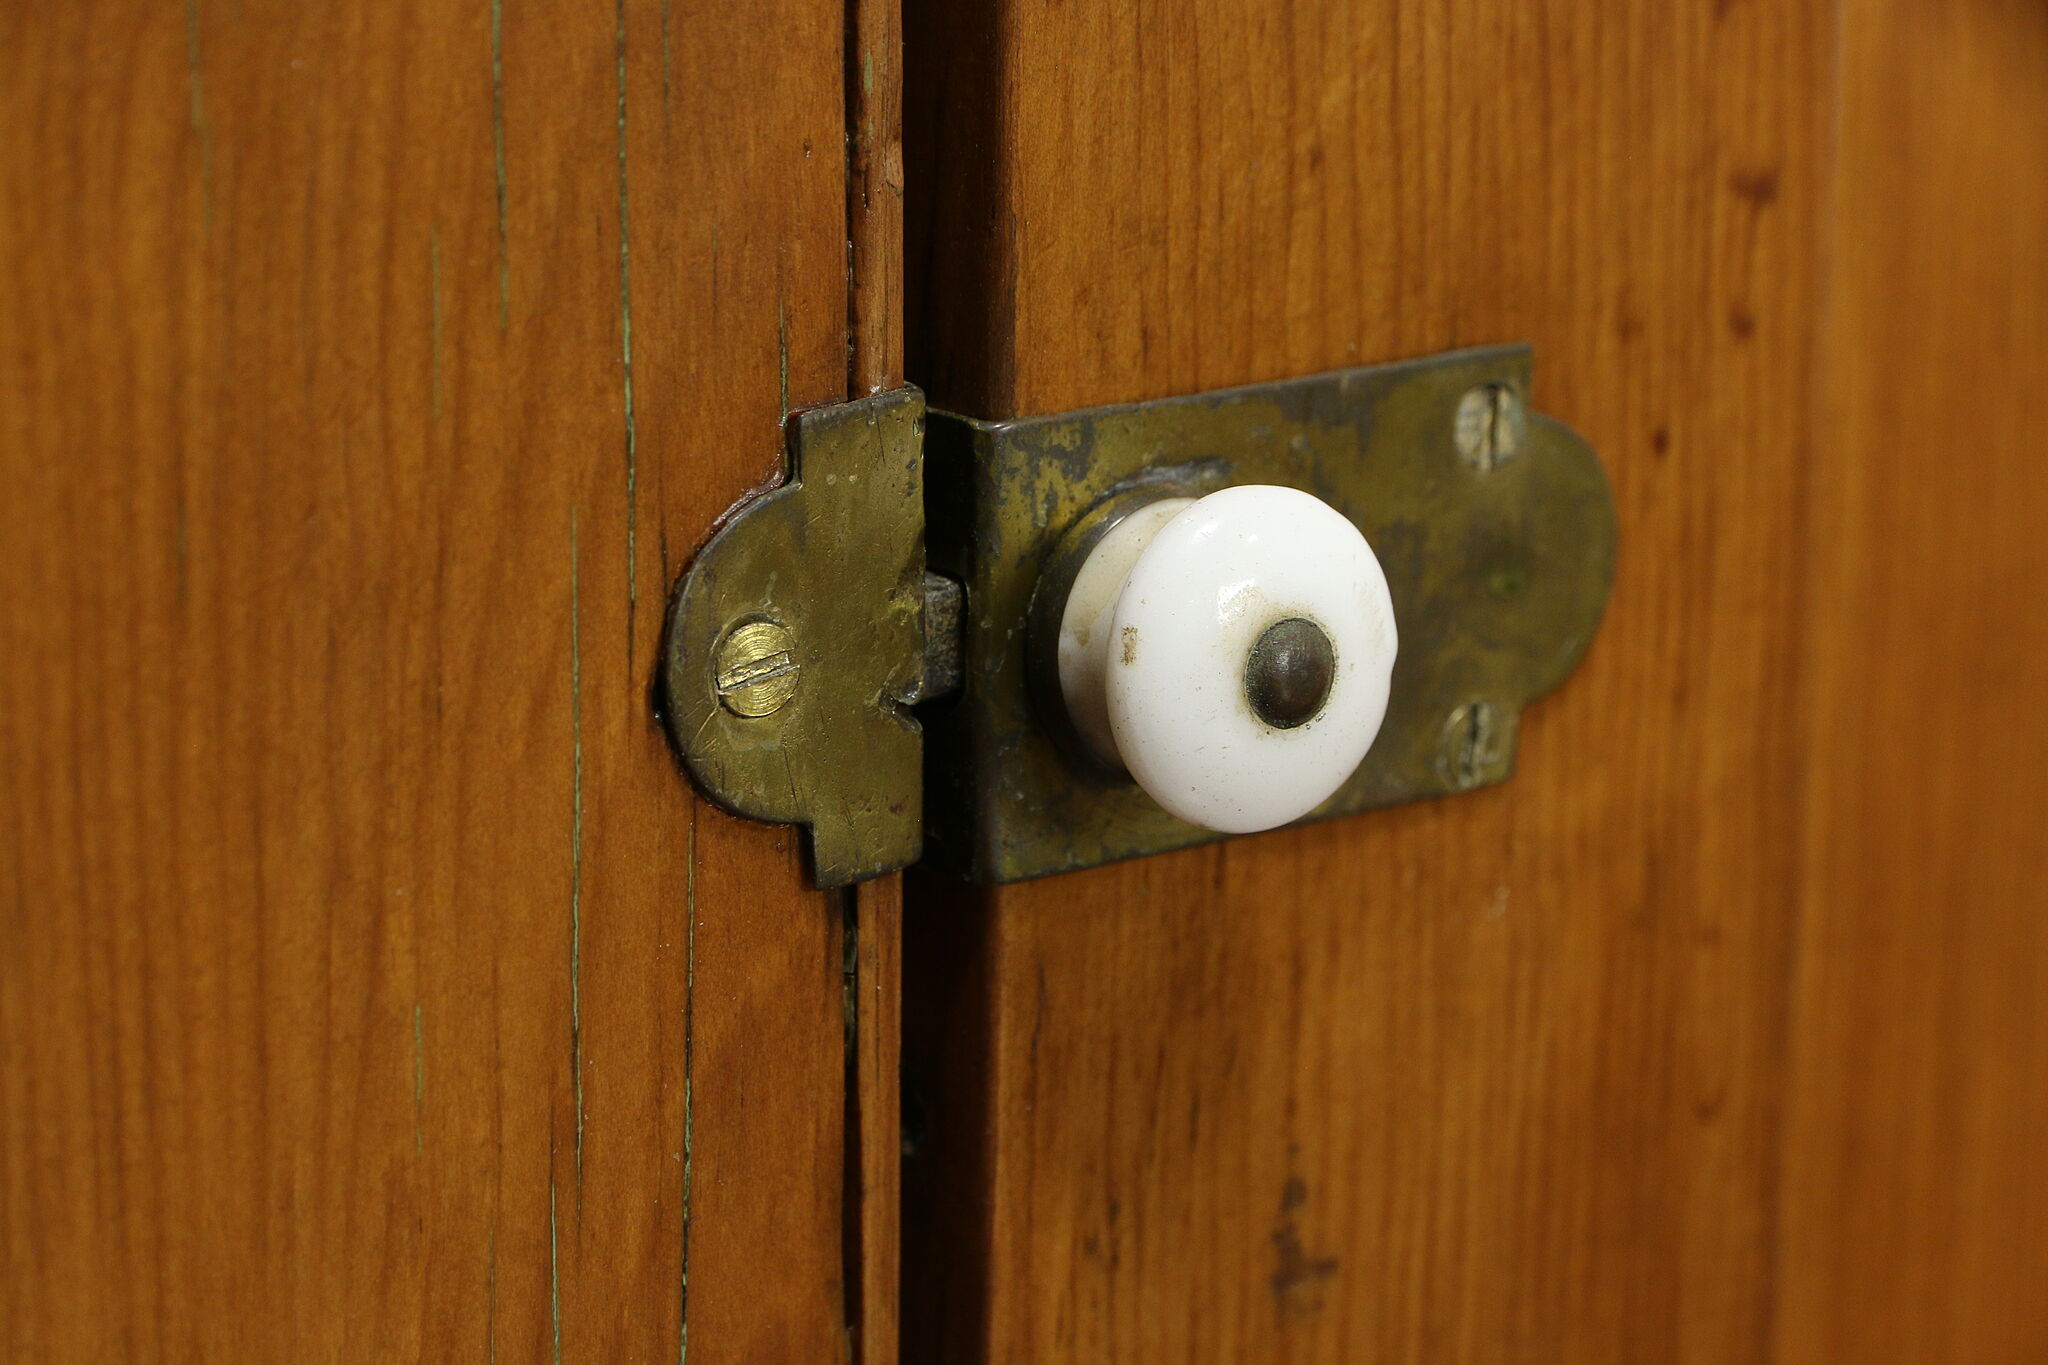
{"type": "Point", "coordinates": [1488, 427]}
{"type": "Point", "coordinates": [1472, 744]}
{"type": "Point", "coordinates": [757, 671]}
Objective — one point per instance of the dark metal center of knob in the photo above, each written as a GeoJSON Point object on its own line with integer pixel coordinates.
{"type": "Point", "coordinates": [1287, 675]}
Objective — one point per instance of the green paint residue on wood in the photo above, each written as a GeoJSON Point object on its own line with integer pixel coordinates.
{"type": "Point", "coordinates": [576, 839]}
{"type": "Point", "coordinates": [498, 137]}
{"type": "Point", "coordinates": [664, 67]}
{"type": "Point", "coordinates": [491, 1297]}
{"type": "Point", "coordinates": [689, 1054]}
{"type": "Point", "coordinates": [626, 340]}
{"type": "Point", "coordinates": [196, 84]}
{"type": "Point", "coordinates": [434, 291]}
{"type": "Point", "coordinates": [181, 537]}
{"type": "Point", "coordinates": [554, 1266]}
{"type": "Point", "coordinates": [419, 1079]}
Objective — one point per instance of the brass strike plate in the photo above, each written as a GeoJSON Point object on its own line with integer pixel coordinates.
{"type": "Point", "coordinates": [1495, 528]}
{"type": "Point", "coordinates": [796, 643]}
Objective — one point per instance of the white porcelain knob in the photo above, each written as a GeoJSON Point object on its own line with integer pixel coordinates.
{"type": "Point", "coordinates": [1232, 653]}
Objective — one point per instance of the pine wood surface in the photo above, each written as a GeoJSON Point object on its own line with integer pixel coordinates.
{"type": "Point", "coordinates": [371, 987]}
{"type": "Point", "coordinates": [1914, 1219]}
{"type": "Point", "coordinates": [1710, 1037]}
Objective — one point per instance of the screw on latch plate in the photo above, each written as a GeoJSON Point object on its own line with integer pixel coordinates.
{"type": "Point", "coordinates": [1488, 427]}
{"type": "Point", "coordinates": [1476, 743]}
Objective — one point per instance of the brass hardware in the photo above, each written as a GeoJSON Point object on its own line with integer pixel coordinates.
{"type": "Point", "coordinates": [1478, 746]}
{"type": "Point", "coordinates": [757, 671]}
{"type": "Point", "coordinates": [811, 623]}
{"type": "Point", "coordinates": [1489, 424]}
{"type": "Point", "coordinates": [796, 643]}
{"type": "Point", "coordinates": [1495, 528]}
{"type": "Point", "coordinates": [942, 608]}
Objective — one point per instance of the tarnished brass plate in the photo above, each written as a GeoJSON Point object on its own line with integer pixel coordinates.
{"type": "Point", "coordinates": [1495, 527]}
{"type": "Point", "coordinates": [796, 643]}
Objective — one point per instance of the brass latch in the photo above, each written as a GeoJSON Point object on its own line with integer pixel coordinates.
{"type": "Point", "coordinates": [825, 666]}
{"type": "Point", "coordinates": [796, 644]}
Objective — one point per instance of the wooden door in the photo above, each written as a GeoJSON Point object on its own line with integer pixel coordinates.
{"type": "Point", "coordinates": [1715, 1035]}
{"type": "Point", "coordinates": [371, 986]}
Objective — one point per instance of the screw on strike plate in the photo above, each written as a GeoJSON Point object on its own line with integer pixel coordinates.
{"type": "Point", "coordinates": [1488, 427]}
{"type": "Point", "coordinates": [1472, 745]}
{"type": "Point", "coordinates": [756, 671]}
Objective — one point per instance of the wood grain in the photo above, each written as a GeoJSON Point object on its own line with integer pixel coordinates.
{"type": "Point", "coordinates": [874, 207]}
{"type": "Point", "coordinates": [1916, 1205]}
{"type": "Point", "coordinates": [371, 986]}
{"type": "Point", "coordinates": [874, 82]}
{"type": "Point", "coordinates": [1627, 1060]}
{"type": "Point", "coordinates": [875, 1166]}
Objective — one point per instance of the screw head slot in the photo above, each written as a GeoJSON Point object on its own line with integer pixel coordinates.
{"type": "Point", "coordinates": [1474, 743]}
{"type": "Point", "coordinates": [757, 671]}
{"type": "Point", "coordinates": [1488, 426]}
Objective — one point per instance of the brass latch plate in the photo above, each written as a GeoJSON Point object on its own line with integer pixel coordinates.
{"type": "Point", "coordinates": [1494, 526]}
{"type": "Point", "coordinates": [812, 623]}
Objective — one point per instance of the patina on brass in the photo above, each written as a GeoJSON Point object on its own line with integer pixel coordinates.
{"type": "Point", "coordinates": [796, 643]}
{"type": "Point", "coordinates": [1495, 527]}
{"type": "Point", "coordinates": [811, 623]}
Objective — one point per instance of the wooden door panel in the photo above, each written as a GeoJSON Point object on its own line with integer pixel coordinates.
{"type": "Point", "coordinates": [1551, 1071]}
{"type": "Point", "coordinates": [371, 986]}
{"type": "Point", "coordinates": [1914, 1218]}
